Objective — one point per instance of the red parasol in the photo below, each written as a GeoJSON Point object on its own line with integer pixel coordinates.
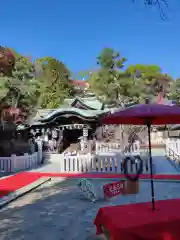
{"type": "Point", "coordinates": [146, 114]}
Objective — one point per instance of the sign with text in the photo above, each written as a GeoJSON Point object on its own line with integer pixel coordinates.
{"type": "Point", "coordinates": [114, 189]}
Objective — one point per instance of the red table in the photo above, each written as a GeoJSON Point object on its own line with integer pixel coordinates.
{"type": "Point", "coordinates": [139, 222]}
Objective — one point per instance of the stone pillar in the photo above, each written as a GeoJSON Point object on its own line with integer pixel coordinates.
{"type": "Point", "coordinates": [82, 144]}
{"type": "Point", "coordinates": [178, 146]}
{"type": "Point", "coordinates": [46, 138]}
{"type": "Point", "coordinates": [84, 138]}
{"type": "Point", "coordinates": [85, 134]}
{"type": "Point", "coordinates": [39, 153]}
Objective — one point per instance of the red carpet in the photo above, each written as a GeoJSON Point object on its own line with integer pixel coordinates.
{"type": "Point", "coordinates": [139, 222]}
{"type": "Point", "coordinates": [172, 177]}
{"type": "Point", "coordinates": [13, 183]}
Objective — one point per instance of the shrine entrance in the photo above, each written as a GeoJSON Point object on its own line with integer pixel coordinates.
{"type": "Point", "coordinates": [58, 138]}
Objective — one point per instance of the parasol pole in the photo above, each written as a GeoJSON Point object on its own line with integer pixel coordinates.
{"type": "Point", "coordinates": [151, 167]}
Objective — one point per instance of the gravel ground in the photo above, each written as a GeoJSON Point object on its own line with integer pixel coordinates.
{"type": "Point", "coordinates": [56, 211]}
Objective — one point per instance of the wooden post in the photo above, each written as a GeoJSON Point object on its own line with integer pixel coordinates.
{"type": "Point", "coordinates": [13, 167]}
{"type": "Point", "coordinates": [131, 187]}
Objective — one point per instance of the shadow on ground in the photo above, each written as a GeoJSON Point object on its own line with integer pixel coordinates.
{"type": "Point", "coordinates": [57, 211]}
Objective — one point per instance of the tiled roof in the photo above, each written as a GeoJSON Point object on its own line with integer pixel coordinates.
{"type": "Point", "coordinates": [92, 102]}
{"type": "Point", "coordinates": [41, 113]}
{"type": "Point", "coordinates": [80, 83]}
{"type": "Point", "coordinates": [67, 111]}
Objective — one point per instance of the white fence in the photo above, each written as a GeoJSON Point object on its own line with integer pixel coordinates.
{"type": "Point", "coordinates": [157, 138]}
{"type": "Point", "coordinates": [108, 158]}
{"type": "Point", "coordinates": [111, 162]}
{"type": "Point", "coordinates": [173, 149]}
{"type": "Point", "coordinates": [116, 147]}
{"type": "Point", "coordinates": [173, 144]}
{"type": "Point", "coordinates": [15, 163]}
{"type": "Point", "coordinates": [107, 146]}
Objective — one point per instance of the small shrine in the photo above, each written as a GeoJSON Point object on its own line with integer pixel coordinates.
{"type": "Point", "coordinates": [74, 121]}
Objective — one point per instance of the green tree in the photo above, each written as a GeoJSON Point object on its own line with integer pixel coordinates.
{"type": "Point", "coordinates": [149, 80]}
{"type": "Point", "coordinates": [109, 82]}
{"type": "Point", "coordinates": [21, 88]}
{"type": "Point", "coordinates": [55, 79]}
{"type": "Point", "coordinates": [174, 93]}
{"type": "Point", "coordinates": [3, 88]}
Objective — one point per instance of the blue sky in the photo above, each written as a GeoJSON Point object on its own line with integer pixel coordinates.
{"type": "Point", "coordinates": [75, 31]}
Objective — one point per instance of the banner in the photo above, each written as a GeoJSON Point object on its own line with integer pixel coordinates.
{"type": "Point", "coordinates": [114, 189]}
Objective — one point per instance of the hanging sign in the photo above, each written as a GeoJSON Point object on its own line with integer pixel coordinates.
{"type": "Point", "coordinates": [85, 132]}
{"type": "Point", "coordinates": [114, 189]}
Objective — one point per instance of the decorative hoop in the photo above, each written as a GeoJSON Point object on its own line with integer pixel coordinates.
{"type": "Point", "coordinates": [132, 160]}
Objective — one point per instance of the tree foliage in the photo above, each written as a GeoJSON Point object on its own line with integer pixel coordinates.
{"type": "Point", "coordinates": [22, 87]}
{"type": "Point", "coordinates": [55, 79]}
{"type": "Point", "coordinates": [42, 83]}
{"type": "Point", "coordinates": [46, 82]}
{"type": "Point", "coordinates": [149, 79]}
{"type": "Point", "coordinates": [108, 80]}
{"type": "Point", "coordinates": [174, 93]}
{"type": "Point", "coordinates": [113, 84]}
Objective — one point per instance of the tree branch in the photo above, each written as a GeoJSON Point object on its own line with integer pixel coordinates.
{"type": "Point", "coordinates": [160, 4]}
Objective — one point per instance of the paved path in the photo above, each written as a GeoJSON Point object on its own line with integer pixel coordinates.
{"type": "Point", "coordinates": [52, 164]}
{"type": "Point", "coordinates": [162, 165]}
{"type": "Point", "coordinates": [57, 211]}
